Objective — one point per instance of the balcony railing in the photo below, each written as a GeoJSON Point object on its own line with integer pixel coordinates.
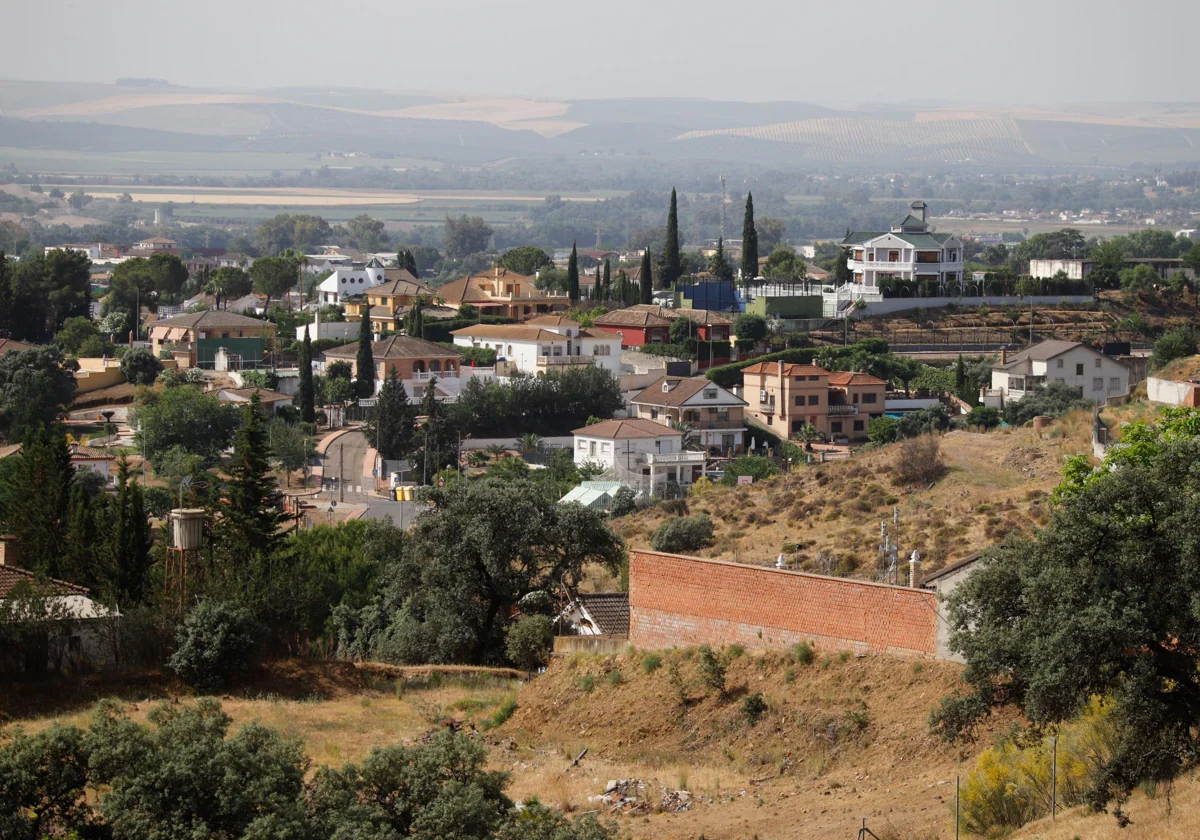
{"type": "Point", "coordinates": [842, 409]}
{"type": "Point", "coordinates": [564, 360]}
{"type": "Point", "coordinates": [768, 407]}
{"type": "Point", "coordinates": [657, 458]}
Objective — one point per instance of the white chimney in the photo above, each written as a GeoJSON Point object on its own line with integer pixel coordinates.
{"type": "Point", "coordinates": [914, 570]}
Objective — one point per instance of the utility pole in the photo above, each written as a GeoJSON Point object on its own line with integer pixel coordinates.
{"type": "Point", "coordinates": [341, 472]}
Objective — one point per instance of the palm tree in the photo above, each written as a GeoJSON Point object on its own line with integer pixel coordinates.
{"type": "Point", "coordinates": [218, 287]}
{"type": "Point", "coordinates": [691, 440]}
{"type": "Point", "coordinates": [477, 458]}
{"type": "Point", "coordinates": [495, 450]}
{"type": "Point", "coordinates": [530, 442]}
{"type": "Point", "coordinates": [808, 435]}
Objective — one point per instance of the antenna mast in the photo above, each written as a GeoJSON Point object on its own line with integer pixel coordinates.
{"type": "Point", "coordinates": [724, 199]}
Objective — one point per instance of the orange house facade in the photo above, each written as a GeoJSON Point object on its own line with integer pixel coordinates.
{"type": "Point", "coordinates": [409, 358]}
{"type": "Point", "coordinates": [840, 405]}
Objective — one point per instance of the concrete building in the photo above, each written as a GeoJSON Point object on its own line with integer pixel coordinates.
{"type": "Point", "coordinates": [784, 397]}
{"type": "Point", "coordinates": [410, 359]}
{"type": "Point", "coordinates": [347, 282]}
{"type": "Point", "coordinates": [715, 415]}
{"type": "Point", "coordinates": [910, 250]}
{"type": "Point", "coordinates": [545, 343]}
{"type": "Point", "coordinates": [644, 454]}
{"type": "Point", "coordinates": [1074, 269]}
{"type": "Point", "coordinates": [1097, 376]}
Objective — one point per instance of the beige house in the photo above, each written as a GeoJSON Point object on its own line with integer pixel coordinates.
{"type": "Point", "coordinates": [784, 397]}
{"type": "Point", "coordinates": [502, 292]}
{"type": "Point", "coordinates": [1067, 362]}
{"type": "Point", "coordinates": [714, 415]}
{"type": "Point", "coordinates": [410, 358]}
{"type": "Point", "coordinates": [184, 332]}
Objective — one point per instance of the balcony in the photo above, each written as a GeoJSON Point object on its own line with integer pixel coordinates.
{"type": "Point", "coordinates": [766, 407]}
{"type": "Point", "coordinates": [842, 410]}
{"type": "Point", "coordinates": [657, 459]}
{"type": "Point", "coordinates": [543, 361]}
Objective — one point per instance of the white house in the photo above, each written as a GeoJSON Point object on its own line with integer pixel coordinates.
{"type": "Point", "coordinates": [641, 453]}
{"type": "Point", "coordinates": [95, 460]}
{"type": "Point", "coordinates": [347, 282]}
{"type": "Point", "coordinates": [715, 415]}
{"type": "Point", "coordinates": [545, 343]}
{"type": "Point", "coordinates": [339, 330]}
{"type": "Point", "coordinates": [75, 638]}
{"type": "Point", "coordinates": [909, 251]}
{"type": "Point", "coordinates": [1069, 362]}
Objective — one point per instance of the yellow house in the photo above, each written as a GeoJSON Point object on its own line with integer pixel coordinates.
{"type": "Point", "coordinates": [388, 302]}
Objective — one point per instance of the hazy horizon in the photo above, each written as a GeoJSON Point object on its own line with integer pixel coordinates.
{"type": "Point", "coordinates": [867, 53]}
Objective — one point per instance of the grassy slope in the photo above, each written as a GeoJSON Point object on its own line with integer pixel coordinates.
{"type": "Point", "coordinates": [997, 483]}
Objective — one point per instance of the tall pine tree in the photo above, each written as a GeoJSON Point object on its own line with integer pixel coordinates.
{"type": "Point", "coordinates": [87, 532]}
{"type": "Point", "coordinates": [414, 321]}
{"type": "Point", "coordinates": [437, 437]}
{"type": "Point", "coordinates": [672, 266]}
{"type": "Point", "coordinates": [252, 514]}
{"type": "Point", "coordinates": [573, 276]}
{"type": "Point", "coordinates": [364, 385]}
{"type": "Point", "coordinates": [391, 430]}
{"type": "Point", "coordinates": [130, 547]}
{"type": "Point", "coordinates": [749, 243]}
{"type": "Point", "coordinates": [6, 299]}
{"type": "Point", "coordinates": [647, 278]}
{"type": "Point", "coordinates": [307, 396]}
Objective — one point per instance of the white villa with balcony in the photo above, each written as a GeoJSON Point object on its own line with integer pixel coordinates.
{"type": "Point", "coordinates": [644, 454]}
{"type": "Point", "coordinates": [545, 343]}
{"type": "Point", "coordinates": [910, 251]}
{"type": "Point", "coordinates": [348, 282]}
{"type": "Point", "coordinates": [713, 415]}
{"type": "Point", "coordinates": [1067, 362]}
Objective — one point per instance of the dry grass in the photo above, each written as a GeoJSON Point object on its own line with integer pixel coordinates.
{"type": "Point", "coordinates": [826, 517]}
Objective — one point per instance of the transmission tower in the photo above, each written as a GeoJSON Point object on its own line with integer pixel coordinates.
{"type": "Point", "coordinates": [724, 198]}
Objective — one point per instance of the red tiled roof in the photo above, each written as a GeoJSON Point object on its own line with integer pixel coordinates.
{"type": "Point", "coordinates": [848, 377]}
{"type": "Point", "coordinates": [772, 368]}
{"type": "Point", "coordinates": [11, 577]}
{"type": "Point", "coordinates": [624, 429]}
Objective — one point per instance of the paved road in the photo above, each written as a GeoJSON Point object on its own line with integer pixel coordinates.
{"type": "Point", "coordinates": [344, 461]}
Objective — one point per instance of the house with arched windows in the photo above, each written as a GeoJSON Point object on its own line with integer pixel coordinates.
{"type": "Point", "coordinates": [410, 358]}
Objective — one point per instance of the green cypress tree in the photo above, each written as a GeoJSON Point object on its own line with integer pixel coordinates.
{"type": "Point", "coordinates": [307, 395]}
{"type": "Point", "coordinates": [960, 377]}
{"type": "Point", "coordinates": [406, 261]}
{"type": "Point", "coordinates": [647, 278]}
{"type": "Point", "coordinates": [718, 266]}
{"type": "Point", "coordinates": [672, 267]}
{"type": "Point", "coordinates": [391, 429]}
{"type": "Point", "coordinates": [253, 513]}
{"type": "Point", "coordinates": [749, 243]}
{"type": "Point", "coordinates": [87, 530]}
{"type": "Point", "coordinates": [364, 385]}
{"type": "Point", "coordinates": [36, 499]}
{"type": "Point", "coordinates": [607, 280]}
{"type": "Point", "coordinates": [6, 299]}
{"type": "Point", "coordinates": [130, 547]}
{"type": "Point", "coordinates": [573, 276]}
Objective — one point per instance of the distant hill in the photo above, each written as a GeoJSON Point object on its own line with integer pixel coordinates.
{"type": "Point", "coordinates": [477, 130]}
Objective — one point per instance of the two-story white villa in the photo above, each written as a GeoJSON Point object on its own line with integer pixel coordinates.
{"type": "Point", "coordinates": [714, 415]}
{"type": "Point", "coordinates": [545, 343]}
{"type": "Point", "coordinates": [347, 282]}
{"type": "Point", "coordinates": [910, 251]}
{"type": "Point", "coordinates": [641, 453]}
{"type": "Point", "coordinates": [1069, 362]}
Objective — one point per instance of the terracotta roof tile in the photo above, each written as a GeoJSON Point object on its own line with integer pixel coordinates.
{"type": "Point", "coordinates": [11, 577]}
{"type": "Point", "coordinates": [627, 429]}
{"type": "Point", "coordinates": [772, 369]}
{"type": "Point", "coordinates": [631, 318]}
{"type": "Point", "coordinates": [397, 347]}
{"type": "Point", "coordinates": [848, 377]}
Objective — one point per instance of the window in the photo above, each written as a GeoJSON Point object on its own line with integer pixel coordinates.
{"type": "Point", "coordinates": [814, 399]}
{"type": "Point", "coordinates": [653, 412]}
{"type": "Point", "coordinates": [592, 448]}
{"type": "Point", "coordinates": [856, 399]}
{"type": "Point", "coordinates": [605, 447]}
{"type": "Point", "coordinates": [835, 428]}
{"type": "Point", "coordinates": [869, 398]}
{"type": "Point", "coordinates": [1099, 361]}
{"type": "Point", "coordinates": [1114, 384]}
{"type": "Point", "coordinates": [1079, 369]}
{"type": "Point", "coordinates": [583, 446]}
{"type": "Point", "coordinates": [710, 393]}
{"type": "Point", "coordinates": [1060, 363]}
{"type": "Point", "coordinates": [658, 446]}
{"type": "Point", "coordinates": [858, 425]}
{"type": "Point", "coordinates": [800, 400]}
{"type": "Point", "coordinates": [1098, 383]}
{"type": "Point", "coordinates": [769, 418]}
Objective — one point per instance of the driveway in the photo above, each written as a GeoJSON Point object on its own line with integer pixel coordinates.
{"type": "Point", "coordinates": [343, 466]}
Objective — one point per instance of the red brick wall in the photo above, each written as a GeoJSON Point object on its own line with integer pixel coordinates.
{"type": "Point", "coordinates": [679, 601]}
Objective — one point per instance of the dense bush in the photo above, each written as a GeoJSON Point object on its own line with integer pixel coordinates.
{"type": "Point", "coordinates": [1050, 400]}
{"type": "Point", "coordinates": [882, 430]}
{"type": "Point", "coordinates": [982, 417]}
{"type": "Point", "coordinates": [185, 775]}
{"type": "Point", "coordinates": [140, 367]}
{"type": "Point", "coordinates": [933, 419]}
{"type": "Point", "coordinates": [683, 535]}
{"type": "Point", "coordinates": [260, 379]}
{"type": "Point", "coordinates": [729, 375]}
{"type": "Point", "coordinates": [554, 404]}
{"type": "Point", "coordinates": [624, 501]}
{"type": "Point", "coordinates": [1174, 344]}
{"type": "Point", "coordinates": [215, 643]}
{"type": "Point", "coordinates": [752, 465]}
{"type": "Point", "coordinates": [481, 356]}
{"type": "Point", "coordinates": [529, 641]}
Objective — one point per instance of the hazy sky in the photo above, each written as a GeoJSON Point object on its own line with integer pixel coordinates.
{"type": "Point", "coordinates": [1017, 51]}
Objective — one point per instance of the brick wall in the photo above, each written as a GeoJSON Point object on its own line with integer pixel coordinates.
{"type": "Point", "coordinates": [679, 601]}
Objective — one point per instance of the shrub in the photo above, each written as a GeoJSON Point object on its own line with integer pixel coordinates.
{"type": "Point", "coordinates": [752, 465]}
{"type": "Point", "coordinates": [682, 535]}
{"type": "Point", "coordinates": [754, 707]}
{"type": "Point", "coordinates": [1051, 400]}
{"type": "Point", "coordinates": [529, 641]}
{"type": "Point", "coordinates": [501, 715]}
{"type": "Point", "coordinates": [268, 379]}
{"type": "Point", "coordinates": [712, 669]}
{"type": "Point", "coordinates": [803, 653]}
{"type": "Point", "coordinates": [919, 461]}
{"type": "Point", "coordinates": [882, 430]}
{"type": "Point", "coordinates": [614, 677]}
{"type": "Point", "coordinates": [216, 642]}
{"type": "Point", "coordinates": [983, 417]}
{"type": "Point", "coordinates": [1174, 344]}
{"type": "Point", "coordinates": [651, 663]}
{"type": "Point", "coordinates": [586, 683]}
{"type": "Point", "coordinates": [624, 502]}
{"type": "Point", "coordinates": [140, 367]}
